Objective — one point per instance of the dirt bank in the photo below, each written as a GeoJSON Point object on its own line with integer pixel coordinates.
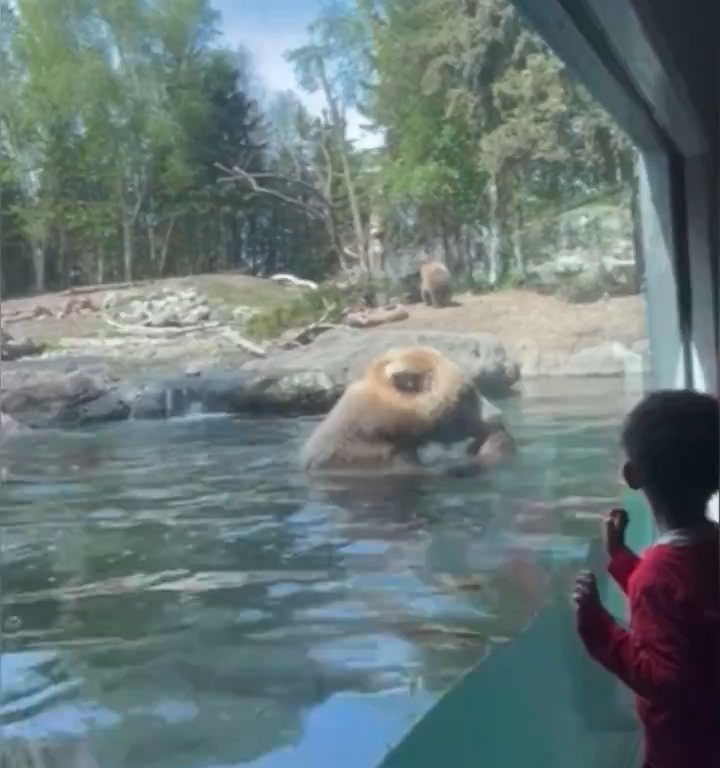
{"type": "Point", "coordinates": [552, 324]}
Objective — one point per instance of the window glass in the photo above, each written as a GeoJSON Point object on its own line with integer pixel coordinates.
{"type": "Point", "coordinates": [213, 216]}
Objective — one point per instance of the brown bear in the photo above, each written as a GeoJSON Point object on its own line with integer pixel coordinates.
{"type": "Point", "coordinates": [407, 397]}
{"type": "Point", "coordinates": [435, 288]}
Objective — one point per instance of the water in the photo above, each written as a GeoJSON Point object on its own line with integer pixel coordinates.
{"type": "Point", "coordinates": [176, 595]}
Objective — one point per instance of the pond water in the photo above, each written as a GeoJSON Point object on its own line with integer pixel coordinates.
{"type": "Point", "coordinates": [176, 594]}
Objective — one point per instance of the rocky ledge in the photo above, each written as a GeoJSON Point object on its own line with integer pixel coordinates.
{"type": "Point", "coordinates": [303, 381]}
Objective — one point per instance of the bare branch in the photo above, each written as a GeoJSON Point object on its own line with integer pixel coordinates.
{"type": "Point", "coordinates": [238, 174]}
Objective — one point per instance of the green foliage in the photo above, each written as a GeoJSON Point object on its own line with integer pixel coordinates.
{"type": "Point", "coordinates": [115, 113]}
{"type": "Point", "coordinates": [485, 128]}
{"type": "Point", "coordinates": [297, 313]}
{"type": "Point", "coordinates": [512, 279]}
{"type": "Point", "coordinates": [114, 116]}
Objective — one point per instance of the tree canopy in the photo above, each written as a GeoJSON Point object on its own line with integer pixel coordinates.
{"type": "Point", "coordinates": [131, 145]}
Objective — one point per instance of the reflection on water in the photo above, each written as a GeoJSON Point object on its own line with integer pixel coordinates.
{"type": "Point", "coordinates": [176, 595]}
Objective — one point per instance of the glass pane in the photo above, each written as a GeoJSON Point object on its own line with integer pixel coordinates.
{"type": "Point", "coordinates": [213, 216]}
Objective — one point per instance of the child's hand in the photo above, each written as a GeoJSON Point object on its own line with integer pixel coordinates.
{"type": "Point", "coordinates": [585, 594]}
{"type": "Point", "coordinates": [616, 524]}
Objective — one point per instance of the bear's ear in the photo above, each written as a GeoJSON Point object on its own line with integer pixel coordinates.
{"type": "Point", "coordinates": [410, 382]}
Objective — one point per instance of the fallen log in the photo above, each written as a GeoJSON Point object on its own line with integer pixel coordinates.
{"type": "Point", "coordinates": [296, 281]}
{"type": "Point", "coordinates": [376, 317]}
{"type": "Point", "coordinates": [309, 333]}
{"type": "Point", "coordinates": [81, 289]}
{"type": "Point", "coordinates": [244, 343]}
{"type": "Point", "coordinates": [145, 330]}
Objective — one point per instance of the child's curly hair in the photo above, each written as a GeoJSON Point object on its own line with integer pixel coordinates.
{"type": "Point", "coordinates": [672, 438]}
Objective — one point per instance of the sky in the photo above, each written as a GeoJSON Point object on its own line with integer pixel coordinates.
{"type": "Point", "coordinates": [268, 28]}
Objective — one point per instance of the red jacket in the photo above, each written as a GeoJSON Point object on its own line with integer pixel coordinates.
{"type": "Point", "coordinates": [670, 657]}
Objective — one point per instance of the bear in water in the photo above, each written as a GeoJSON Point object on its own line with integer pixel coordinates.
{"type": "Point", "coordinates": [435, 288]}
{"type": "Point", "coordinates": [407, 397]}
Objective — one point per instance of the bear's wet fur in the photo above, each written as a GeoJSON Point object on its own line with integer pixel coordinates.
{"type": "Point", "coordinates": [406, 398]}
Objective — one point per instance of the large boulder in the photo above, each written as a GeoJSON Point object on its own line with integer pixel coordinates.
{"type": "Point", "coordinates": [45, 399]}
{"type": "Point", "coordinates": [276, 391]}
{"type": "Point", "coordinates": [160, 401]}
{"type": "Point", "coordinates": [14, 349]}
{"type": "Point", "coordinates": [343, 354]}
{"type": "Point", "coordinates": [308, 380]}
{"type": "Point", "coordinates": [608, 359]}
{"type": "Point", "coordinates": [303, 381]}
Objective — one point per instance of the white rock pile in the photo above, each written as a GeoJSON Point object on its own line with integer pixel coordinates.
{"type": "Point", "coordinates": [166, 309]}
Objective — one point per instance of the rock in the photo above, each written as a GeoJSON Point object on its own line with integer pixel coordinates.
{"type": "Point", "coordinates": [166, 317]}
{"type": "Point", "coordinates": [188, 295]}
{"type": "Point", "coordinates": [58, 399]}
{"type": "Point", "coordinates": [584, 273]}
{"type": "Point", "coordinates": [197, 315]}
{"type": "Point", "coordinates": [149, 403]}
{"type": "Point", "coordinates": [14, 349]}
{"type": "Point", "coordinates": [168, 309]}
{"type": "Point", "coordinates": [160, 402]}
{"type": "Point", "coordinates": [8, 426]}
{"type": "Point", "coordinates": [527, 354]}
{"type": "Point", "coordinates": [284, 385]}
{"type": "Point", "coordinates": [621, 275]}
{"type": "Point", "coordinates": [343, 354]}
{"type": "Point", "coordinates": [276, 392]}
{"type": "Point", "coordinates": [609, 359]}
{"type": "Point", "coordinates": [569, 264]}
{"type": "Point", "coordinates": [299, 392]}
{"type": "Point", "coordinates": [137, 309]}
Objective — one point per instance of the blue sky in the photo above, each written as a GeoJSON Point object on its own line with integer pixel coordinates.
{"type": "Point", "coordinates": [268, 28]}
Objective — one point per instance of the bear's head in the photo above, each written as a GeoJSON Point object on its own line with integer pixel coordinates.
{"type": "Point", "coordinates": [420, 395]}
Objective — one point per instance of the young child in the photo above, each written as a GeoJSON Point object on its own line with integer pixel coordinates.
{"type": "Point", "coordinates": [670, 657]}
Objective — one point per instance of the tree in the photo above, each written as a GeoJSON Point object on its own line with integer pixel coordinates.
{"type": "Point", "coordinates": [120, 121]}
{"type": "Point", "coordinates": [330, 64]}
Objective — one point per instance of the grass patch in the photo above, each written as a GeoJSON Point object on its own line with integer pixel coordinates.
{"type": "Point", "coordinates": [251, 292]}
{"type": "Point", "coordinates": [302, 310]}
{"type": "Point", "coordinates": [51, 344]}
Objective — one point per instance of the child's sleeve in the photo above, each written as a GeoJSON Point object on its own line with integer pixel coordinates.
{"type": "Point", "coordinates": [622, 566]}
{"type": "Point", "coordinates": [652, 658]}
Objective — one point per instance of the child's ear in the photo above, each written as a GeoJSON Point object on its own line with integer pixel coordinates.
{"type": "Point", "coordinates": [630, 476]}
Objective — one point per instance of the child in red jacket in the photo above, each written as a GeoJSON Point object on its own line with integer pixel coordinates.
{"type": "Point", "coordinates": [670, 657]}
